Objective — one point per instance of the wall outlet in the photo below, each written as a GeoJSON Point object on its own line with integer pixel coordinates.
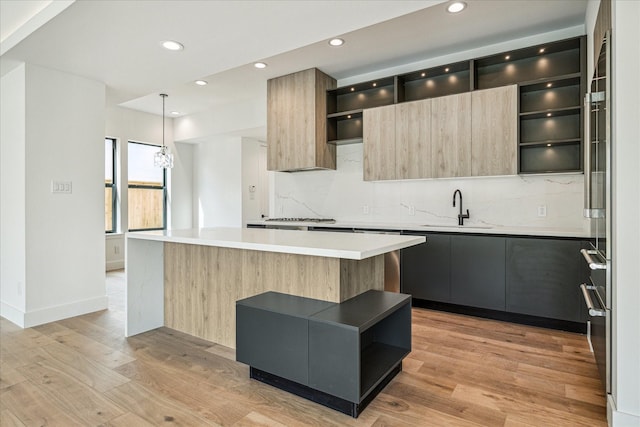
{"type": "Point", "coordinates": [542, 211]}
{"type": "Point", "coordinates": [365, 209]}
{"type": "Point", "coordinates": [412, 210]}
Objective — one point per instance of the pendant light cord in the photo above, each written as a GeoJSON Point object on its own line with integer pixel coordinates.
{"type": "Point", "coordinates": [163, 95]}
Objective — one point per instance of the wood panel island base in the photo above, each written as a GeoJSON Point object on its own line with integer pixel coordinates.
{"type": "Point", "coordinates": [190, 280]}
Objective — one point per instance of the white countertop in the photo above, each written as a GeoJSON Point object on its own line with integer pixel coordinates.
{"type": "Point", "coordinates": [443, 228]}
{"type": "Point", "coordinates": [317, 243]}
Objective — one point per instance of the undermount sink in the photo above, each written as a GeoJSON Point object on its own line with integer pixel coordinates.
{"type": "Point", "coordinates": [457, 226]}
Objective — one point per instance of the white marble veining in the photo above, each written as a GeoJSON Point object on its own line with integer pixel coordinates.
{"type": "Point", "coordinates": [506, 201]}
{"type": "Point", "coordinates": [327, 244]}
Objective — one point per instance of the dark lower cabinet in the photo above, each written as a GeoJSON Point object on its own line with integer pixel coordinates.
{"type": "Point", "coordinates": [543, 276]}
{"type": "Point", "coordinates": [531, 280]}
{"type": "Point", "coordinates": [425, 268]}
{"type": "Point", "coordinates": [477, 271]}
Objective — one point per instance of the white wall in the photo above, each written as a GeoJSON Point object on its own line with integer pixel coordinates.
{"type": "Point", "coordinates": [253, 181]}
{"type": "Point", "coordinates": [12, 196]}
{"type": "Point", "coordinates": [64, 236]}
{"type": "Point", "coordinates": [626, 212]}
{"type": "Point", "coordinates": [240, 119]}
{"type": "Point", "coordinates": [224, 169]}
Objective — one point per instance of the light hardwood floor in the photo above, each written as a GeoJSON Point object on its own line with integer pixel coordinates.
{"type": "Point", "coordinates": [462, 371]}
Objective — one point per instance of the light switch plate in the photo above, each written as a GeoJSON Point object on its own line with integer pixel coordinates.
{"type": "Point", "coordinates": [61, 187]}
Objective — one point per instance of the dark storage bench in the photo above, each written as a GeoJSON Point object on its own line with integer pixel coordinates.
{"type": "Point", "coordinates": [339, 355]}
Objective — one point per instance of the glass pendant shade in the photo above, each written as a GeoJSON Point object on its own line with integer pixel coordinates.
{"type": "Point", "coordinates": [163, 158]}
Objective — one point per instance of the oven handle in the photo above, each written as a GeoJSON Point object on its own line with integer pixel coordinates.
{"type": "Point", "coordinates": [593, 312]}
{"type": "Point", "coordinates": [586, 253]}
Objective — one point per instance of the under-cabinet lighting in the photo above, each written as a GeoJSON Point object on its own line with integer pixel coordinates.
{"type": "Point", "coordinates": [446, 70]}
{"type": "Point", "coordinates": [548, 145]}
{"type": "Point", "coordinates": [507, 57]}
{"type": "Point", "coordinates": [548, 114]}
{"type": "Point", "coordinates": [549, 84]}
{"type": "Point", "coordinates": [349, 116]}
{"type": "Point", "coordinates": [456, 6]}
{"type": "Point", "coordinates": [336, 42]}
{"type": "Point", "coordinates": [352, 89]}
{"type": "Point", "coordinates": [260, 65]}
{"type": "Point", "coordinates": [375, 84]}
{"type": "Point", "coordinates": [201, 82]}
{"type": "Point", "coordinates": [423, 74]}
{"type": "Point", "coordinates": [172, 45]}
{"type": "Point", "coordinates": [541, 50]}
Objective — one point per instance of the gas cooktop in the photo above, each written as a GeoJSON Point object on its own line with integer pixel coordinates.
{"type": "Point", "coordinates": [325, 220]}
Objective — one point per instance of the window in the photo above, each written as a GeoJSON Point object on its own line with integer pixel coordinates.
{"type": "Point", "coordinates": [110, 189]}
{"type": "Point", "coordinates": [147, 189]}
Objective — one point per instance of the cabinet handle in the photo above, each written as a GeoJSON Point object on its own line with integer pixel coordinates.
{"type": "Point", "coordinates": [587, 155]}
{"type": "Point", "coordinates": [592, 263]}
{"type": "Point", "coordinates": [593, 312]}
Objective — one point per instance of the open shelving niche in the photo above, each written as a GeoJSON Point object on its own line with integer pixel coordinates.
{"type": "Point", "coordinates": [551, 85]}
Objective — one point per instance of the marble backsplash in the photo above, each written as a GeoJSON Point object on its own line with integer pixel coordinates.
{"type": "Point", "coordinates": [512, 201]}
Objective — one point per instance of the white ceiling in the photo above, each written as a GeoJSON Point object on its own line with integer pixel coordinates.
{"type": "Point", "coordinates": [117, 42]}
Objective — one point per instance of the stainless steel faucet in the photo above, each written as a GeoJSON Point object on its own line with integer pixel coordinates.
{"type": "Point", "coordinates": [461, 217]}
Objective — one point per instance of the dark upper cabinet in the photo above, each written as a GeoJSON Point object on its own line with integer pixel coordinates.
{"type": "Point", "coordinates": [425, 269]}
{"type": "Point", "coordinates": [478, 271]}
{"type": "Point", "coordinates": [543, 278]}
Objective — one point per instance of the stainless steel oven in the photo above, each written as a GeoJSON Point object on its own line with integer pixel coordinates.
{"type": "Point", "coordinates": [597, 177]}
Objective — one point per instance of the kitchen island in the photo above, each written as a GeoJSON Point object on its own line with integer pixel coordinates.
{"type": "Point", "coordinates": [189, 280]}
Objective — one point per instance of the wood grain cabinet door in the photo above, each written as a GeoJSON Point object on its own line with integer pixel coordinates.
{"type": "Point", "coordinates": [494, 140]}
{"type": "Point", "coordinates": [413, 140]}
{"type": "Point", "coordinates": [379, 143]}
{"type": "Point", "coordinates": [451, 135]}
{"type": "Point", "coordinates": [296, 121]}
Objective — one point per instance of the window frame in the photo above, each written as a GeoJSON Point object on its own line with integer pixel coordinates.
{"type": "Point", "coordinates": [162, 187]}
{"type": "Point", "coordinates": [114, 188]}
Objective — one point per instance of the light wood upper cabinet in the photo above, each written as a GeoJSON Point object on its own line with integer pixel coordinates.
{"type": "Point", "coordinates": [379, 143]}
{"type": "Point", "coordinates": [413, 140]}
{"type": "Point", "coordinates": [451, 135]}
{"type": "Point", "coordinates": [494, 141]}
{"type": "Point", "coordinates": [296, 122]}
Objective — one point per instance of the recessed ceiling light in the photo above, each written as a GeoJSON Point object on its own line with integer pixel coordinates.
{"type": "Point", "coordinates": [172, 45]}
{"type": "Point", "coordinates": [260, 65]}
{"type": "Point", "coordinates": [336, 42]}
{"type": "Point", "coordinates": [175, 113]}
{"type": "Point", "coordinates": [456, 6]}
{"type": "Point", "coordinates": [201, 82]}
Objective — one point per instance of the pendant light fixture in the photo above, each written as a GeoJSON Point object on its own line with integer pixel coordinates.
{"type": "Point", "coordinates": [163, 158]}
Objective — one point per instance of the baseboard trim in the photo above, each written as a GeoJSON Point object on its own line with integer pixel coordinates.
{"type": "Point", "coordinates": [616, 418]}
{"type": "Point", "coordinates": [12, 314]}
{"type": "Point", "coordinates": [64, 311]}
{"type": "Point", "coordinates": [115, 265]}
